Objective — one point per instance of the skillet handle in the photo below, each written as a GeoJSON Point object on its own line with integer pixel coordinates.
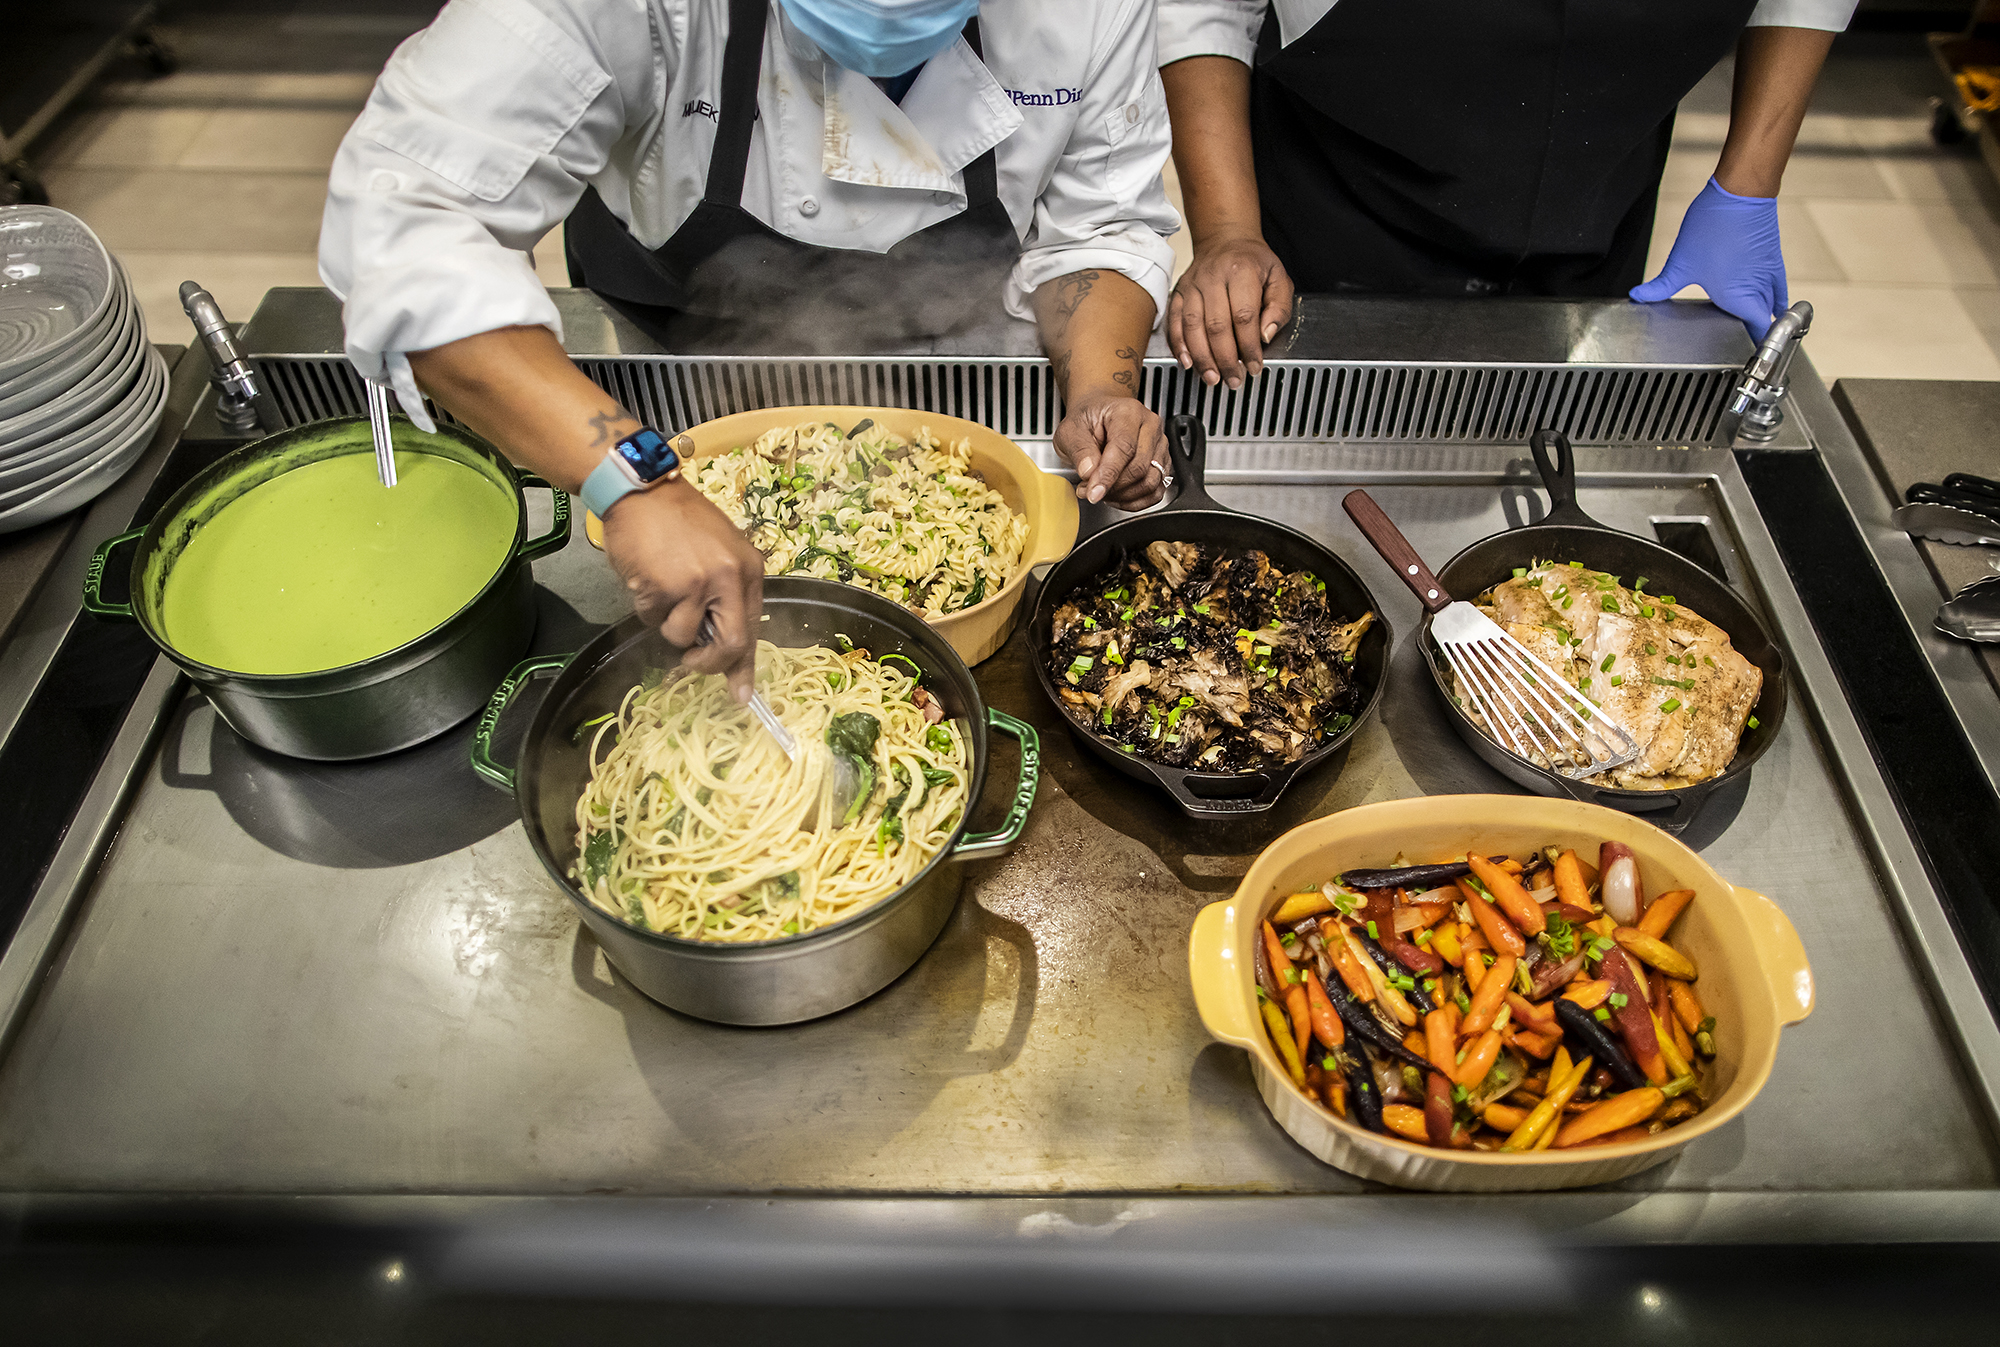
{"type": "Point", "coordinates": [489, 719]}
{"type": "Point", "coordinates": [1556, 462]}
{"type": "Point", "coordinates": [1187, 447]}
{"type": "Point", "coordinates": [1382, 533]}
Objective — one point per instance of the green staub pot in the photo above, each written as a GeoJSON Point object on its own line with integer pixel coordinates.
{"type": "Point", "coordinates": [372, 705]}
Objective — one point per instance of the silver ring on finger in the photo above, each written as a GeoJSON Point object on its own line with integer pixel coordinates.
{"type": "Point", "coordinates": [1166, 478]}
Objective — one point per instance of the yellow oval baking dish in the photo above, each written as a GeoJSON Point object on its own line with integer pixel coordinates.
{"type": "Point", "coordinates": [1754, 976]}
{"type": "Point", "coordinates": [1048, 501]}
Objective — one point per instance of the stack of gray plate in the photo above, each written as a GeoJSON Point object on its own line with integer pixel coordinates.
{"type": "Point", "coordinates": [81, 389]}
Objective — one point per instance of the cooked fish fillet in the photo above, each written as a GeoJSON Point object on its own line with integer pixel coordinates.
{"type": "Point", "coordinates": [1665, 673]}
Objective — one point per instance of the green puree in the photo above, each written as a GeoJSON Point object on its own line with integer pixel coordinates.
{"type": "Point", "coordinates": [323, 566]}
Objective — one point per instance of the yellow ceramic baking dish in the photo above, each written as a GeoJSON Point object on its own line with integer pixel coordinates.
{"type": "Point", "coordinates": [1754, 975]}
{"type": "Point", "coordinates": [1048, 501]}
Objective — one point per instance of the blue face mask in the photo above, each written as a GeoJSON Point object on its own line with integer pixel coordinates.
{"type": "Point", "coordinates": [880, 38]}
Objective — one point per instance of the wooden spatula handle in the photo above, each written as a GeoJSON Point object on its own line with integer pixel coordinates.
{"type": "Point", "coordinates": [1395, 549]}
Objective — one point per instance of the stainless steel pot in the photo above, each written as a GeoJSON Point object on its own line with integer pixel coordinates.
{"type": "Point", "coordinates": [792, 978]}
{"type": "Point", "coordinates": [380, 704]}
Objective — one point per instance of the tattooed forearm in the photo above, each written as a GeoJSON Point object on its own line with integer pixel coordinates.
{"type": "Point", "coordinates": [1059, 360]}
{"type": "Point", "coordinates": [1071, 291]}
{"type": "Point", "coordinates": [609, 426]}
{"type": "Point", "coordinates": [1128, 375]}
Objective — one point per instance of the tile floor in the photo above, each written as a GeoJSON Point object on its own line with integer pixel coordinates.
{"type": "Point", "coordinates": [218, 173]}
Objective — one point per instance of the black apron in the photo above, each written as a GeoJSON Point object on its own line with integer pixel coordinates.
{"type": "Point", "coordinates": [726, 280]}
{"type": "Point", "coordinates": [1460, 147]}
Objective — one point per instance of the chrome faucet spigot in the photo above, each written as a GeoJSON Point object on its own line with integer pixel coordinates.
{"type": "Point", "coordinates": [240, 402]}
{"type": "Point", "coordinates": [1754, 414]}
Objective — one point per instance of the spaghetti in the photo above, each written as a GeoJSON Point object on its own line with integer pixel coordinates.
{"type": "Point", "coordinates": [696, 824]}
{"type": "Point", "coordinates": [913, 522]}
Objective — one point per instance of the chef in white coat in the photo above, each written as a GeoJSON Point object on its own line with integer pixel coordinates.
{"type": "Point", "coordinates": [881, 169]}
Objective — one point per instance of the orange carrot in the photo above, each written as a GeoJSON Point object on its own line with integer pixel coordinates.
{"type": "Point", "coordinates": [1620, 1110]}
{"type": "Point", "coordinates": [1493, 923]}
{"type": "Point", "coordinates": [1591, 994]}
{"type": "Point", "coordinates": [1325, 1019]}
{"type": "Point", "coordinates": [1274, 952]}
{"type": "Point", "coordinates": [1637, 1132]}
{"type": "Point", "coordinates": [1539, 1046]}
{"type": "Point", "coordinates": [1406, 1122]}
{"type": "Point", "coordinates": [1687, 1006]}
{"type": "Point", "coordinates": [1503, 1117]}
{"type": "Point", "coordinates": [1570, 887]}
{"type": "Point", "coordinates": [1440, 1044]}
{"type": "Point", "coordinates": [1540, 1018]}
{"type": "Point", "coordinates": [1489, 997]}
{"type": "Point", "coordinates": [1300, 1016]}
{"type": "Point", "coordinates": [1661, 914]}
{"type": "Point", "coordinates": [1479, 1059]}
{"type": "Point", "coordinates": [1342, 957]}
{"type": "Point", "coordinates": [1519, 905]}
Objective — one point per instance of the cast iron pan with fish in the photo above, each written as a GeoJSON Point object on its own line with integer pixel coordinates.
{"type": "Point", "coordinates": [1570, 535]}
{"type": "Point", "coordinates": [1193, 516]}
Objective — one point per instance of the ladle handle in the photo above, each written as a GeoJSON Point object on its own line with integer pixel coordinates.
{"type": "Point", "coordinates": [1386, 538]}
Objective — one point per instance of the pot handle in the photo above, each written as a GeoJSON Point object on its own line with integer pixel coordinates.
{"type": "Point", "coordinates": [496, 706]}
{"type": "Point", "coordinates": [94, 601]}
{"type": "Point", "coordinates": [1781, 954]}
{"type": "Point", "coordinates": [983, 846]}
{"type": "Point", "coordinates": [557, 537]}
{"type": "Point", "coordinates": [1218, 982]}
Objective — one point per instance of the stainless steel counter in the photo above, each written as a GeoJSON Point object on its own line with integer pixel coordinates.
{"type": "Point", "coordinates": [350, 988]}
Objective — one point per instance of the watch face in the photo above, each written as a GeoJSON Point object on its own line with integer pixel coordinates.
{"type": "Point", "coordinates": [649, 454]}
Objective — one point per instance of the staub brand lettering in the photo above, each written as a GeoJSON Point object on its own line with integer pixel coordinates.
{"type": "Point", "coordinates": [1022, 98]}
{"type": "Point", "coordinates": [701, 107]}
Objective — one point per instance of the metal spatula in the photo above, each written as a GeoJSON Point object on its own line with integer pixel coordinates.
{"type": "Point", "coordinates": [1531, 710]}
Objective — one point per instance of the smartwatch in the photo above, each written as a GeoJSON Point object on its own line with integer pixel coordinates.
{"type": "Point", "coordinates": [639, 462]}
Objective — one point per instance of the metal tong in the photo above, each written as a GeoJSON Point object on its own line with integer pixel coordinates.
{"type": "Point", "coordinates": [758, 706]}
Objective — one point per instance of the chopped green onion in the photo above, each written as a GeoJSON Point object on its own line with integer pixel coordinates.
{"type": "Point", "coordinates": [1618, 1000]}
{"type": "Point", "coordinates": [1371, 932]}
{"type": "Point", "coordinates": [1649, 648]}
{"type": "Point", "coordinates": [1617, 680]}
{"type": "Point", "coordinates": [1670, 705]}
{"type": "Point", "coordinates": [1520, 571]}
{"type": "Point", "coordinates": [1609, 660]}
{"type": "Point", "coordinates": [1602, 1013]}
{"type": "Point", "coordinates": [1751, 723]}
{"type": "Point", "coordinates": [1423, 938]}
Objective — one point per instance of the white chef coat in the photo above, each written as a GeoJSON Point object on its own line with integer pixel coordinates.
{"type": "Point", "coordinates": [1230, 27]}
{"type": "Point", "coordinates": [485, 127]}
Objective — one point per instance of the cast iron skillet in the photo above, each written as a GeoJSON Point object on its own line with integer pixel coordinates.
{"type": "Point", "coordinates": [1571, 535]}
{"type": "Point", "coordinates": [1194, 517]}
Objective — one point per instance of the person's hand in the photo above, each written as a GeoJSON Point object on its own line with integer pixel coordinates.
{"type": "Point", "coordinates": [1728, 245]}
{"type": "Point", "coordinates": [1227, 306]}
{"type": "Point", "coordinates": [682, 559]}
{"type": "Point", "coordinates": [1118, 448]}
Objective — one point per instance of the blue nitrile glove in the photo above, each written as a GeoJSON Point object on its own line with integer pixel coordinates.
{"type": "Point", "coordinates": [1728, 245]}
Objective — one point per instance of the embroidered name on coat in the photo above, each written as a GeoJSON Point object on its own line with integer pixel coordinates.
{"type": "Point", "coordinates": [1025, 99]}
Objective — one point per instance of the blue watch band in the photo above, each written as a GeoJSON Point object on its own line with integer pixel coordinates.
{"type": "Point", "coordinates": [605, 486]}
{"type": "Point", "coordinates": [639, 461]}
